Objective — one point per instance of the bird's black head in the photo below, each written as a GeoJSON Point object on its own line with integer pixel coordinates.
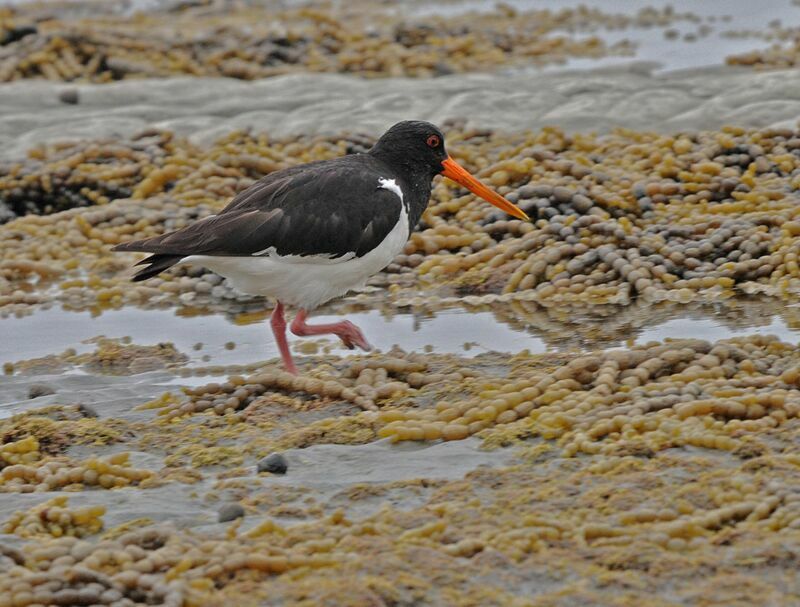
{"type": "Point", "coordinates": [415, 149]}
{"type": "Point", "coordinates": [412, 144]}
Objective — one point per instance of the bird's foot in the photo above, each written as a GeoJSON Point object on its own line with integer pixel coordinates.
{"type": "Point", "coordinates": [352, 336]}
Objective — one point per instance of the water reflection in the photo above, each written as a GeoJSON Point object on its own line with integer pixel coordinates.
{"type": "Point", "coordinates": [241, 336]}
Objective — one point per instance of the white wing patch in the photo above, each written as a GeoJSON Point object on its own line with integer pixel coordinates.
{"type": "Point", "coordinates": [391, 185]}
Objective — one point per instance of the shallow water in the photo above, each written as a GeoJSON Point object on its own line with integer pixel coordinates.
{"type": "Point", "coordinates": [54, 330]}
{"type": "Point", "coordinates": [455, 330]}
{"type": "Point", "coordinates": [711, 48]}
{"type": "Point", "coordinates": [651, 44]}
{"type": "Point", "coordinates": [711, 329]}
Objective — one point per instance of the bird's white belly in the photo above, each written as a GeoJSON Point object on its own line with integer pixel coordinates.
{"type": "Point", "coordinates": [307, 281]}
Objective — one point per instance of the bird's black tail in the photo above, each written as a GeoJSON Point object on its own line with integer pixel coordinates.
{"type": "Point", "coordinates": [155, 264]}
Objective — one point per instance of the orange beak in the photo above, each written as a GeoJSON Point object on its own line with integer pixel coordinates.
{"type": "Point", "coordinates": [453, 170]}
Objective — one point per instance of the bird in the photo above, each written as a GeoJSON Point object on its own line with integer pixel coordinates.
{"type": "Point", "coordinates": [307, 234]}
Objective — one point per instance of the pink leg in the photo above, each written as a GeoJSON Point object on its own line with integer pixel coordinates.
{"type": "Point", "coordinates": [278, 323]}
{"type": "Point", "coordinates": [350, 334]}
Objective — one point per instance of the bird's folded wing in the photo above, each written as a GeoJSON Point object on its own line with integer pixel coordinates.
{"type": "Point", "coordinates": [334, 213]}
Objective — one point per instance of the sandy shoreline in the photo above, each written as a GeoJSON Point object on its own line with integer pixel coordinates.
{"type": "Point", "coordinates": [206, 108]}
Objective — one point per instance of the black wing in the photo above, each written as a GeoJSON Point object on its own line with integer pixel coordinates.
{"type": "Point", "coordinates": [331, 208]}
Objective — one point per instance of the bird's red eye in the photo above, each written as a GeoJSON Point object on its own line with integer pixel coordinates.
{"type": "Point", "coordinates": [433, 141]}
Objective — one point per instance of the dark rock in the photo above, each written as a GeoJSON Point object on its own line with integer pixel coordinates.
{"type": "Point", "coordinates": [285, 54]}
{"type": "Point", "coordinates": [274, 463]}
{"type": "Point", "coordinates": [177, 6]}
{"type": "Point", "coordinates": [230, 512]}
{"type": "Point", "coordinates": [17, 33]}
{"type": "Point", "coordinates": [410, 35]}
{"type": "Point", "coordinates": [69, 96]}
{"type": "Point", "coordinates": [442, 69]}
{"type": "Point", "coordinates": [37, 390]}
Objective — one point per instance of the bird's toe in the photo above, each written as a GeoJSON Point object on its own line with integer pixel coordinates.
{"type": "Point", "coordinates": [352, 337]}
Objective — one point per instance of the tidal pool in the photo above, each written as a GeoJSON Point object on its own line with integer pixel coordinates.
{"type": "Point", "coordinates": [222, 340]}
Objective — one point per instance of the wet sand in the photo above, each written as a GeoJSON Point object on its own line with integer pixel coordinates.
{"type": "Point", "coordinates": [595, 100]}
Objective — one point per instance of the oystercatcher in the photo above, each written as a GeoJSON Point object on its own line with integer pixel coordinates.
{"type": "Point", "coordinates": [307, 234]}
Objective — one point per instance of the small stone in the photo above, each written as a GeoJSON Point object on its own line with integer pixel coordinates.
{"type": "Point", "coordinates": [69, 96]}
{"type": "Point", "coordinates": [230, 512]}
{"type": "Point", "coordinates": [37, 390]}
{"type": "Point", "coordinates": [442, 69]}
{"type": "Point", "coordinates": [274, 463]}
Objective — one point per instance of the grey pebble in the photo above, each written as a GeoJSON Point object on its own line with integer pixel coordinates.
{"type": "Point", "coordinates": [230, 512]}
{"type": "Point", "coordinates": [69, 96]}
{"type": "Point", "coordinates": [274, 463]}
